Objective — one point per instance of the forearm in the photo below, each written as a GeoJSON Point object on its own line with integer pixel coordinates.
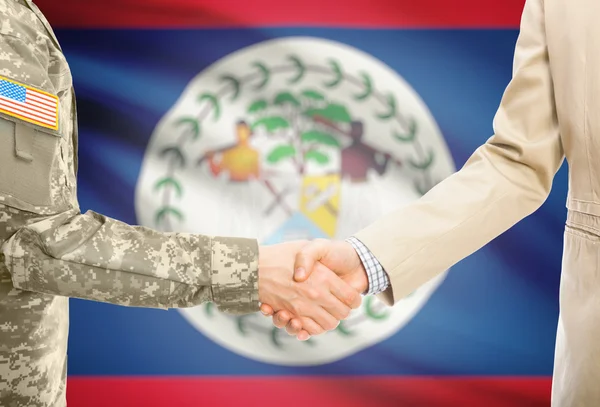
{"type": "Point", "coordinates": [505, 180]}
{"type": "Point", "coordinates": [459, 216]}
{"type": "Point", "coordinates": [93, 257]}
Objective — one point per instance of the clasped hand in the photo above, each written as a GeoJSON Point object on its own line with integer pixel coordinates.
{"type": "Point", "coordinates": [308, 287]}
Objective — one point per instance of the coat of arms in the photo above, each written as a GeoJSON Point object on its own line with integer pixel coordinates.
{"type": "Point", "coordinates": [295, 138]}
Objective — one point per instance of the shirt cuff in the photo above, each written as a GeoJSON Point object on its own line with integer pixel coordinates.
{"type": "Point", "coordinates": [376, 275]}
{"type": "Point", "coordinates": [235, 274]}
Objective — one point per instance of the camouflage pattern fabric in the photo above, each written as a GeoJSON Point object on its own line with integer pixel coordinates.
{"type": "Point", "coordinates": [50, 251]}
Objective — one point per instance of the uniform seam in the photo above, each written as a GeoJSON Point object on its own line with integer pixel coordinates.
{"type": "Point", "coordinates": [167, 292]}
{"type": "Point", "coordinates": [13, 36]}
{"type": "Point", "coordinates": [12, 264]}
{"type": "Point", "coordinates": [212, 269]}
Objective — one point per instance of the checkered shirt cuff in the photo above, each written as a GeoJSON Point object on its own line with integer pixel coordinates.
{"type": "Point", "coordinates": [378, 278]}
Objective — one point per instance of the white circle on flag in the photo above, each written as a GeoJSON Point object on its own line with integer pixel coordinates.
{"type": "Point", "coordinates": [292, 138]}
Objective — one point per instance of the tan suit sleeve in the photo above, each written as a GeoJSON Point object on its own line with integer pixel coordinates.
{"type": "Point", "coordinates": [505, 180]}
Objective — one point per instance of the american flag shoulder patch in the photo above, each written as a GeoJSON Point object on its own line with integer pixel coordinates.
{"type": "Point", "coordinates": [29, 104]}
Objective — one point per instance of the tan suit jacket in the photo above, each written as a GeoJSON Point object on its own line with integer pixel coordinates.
{"type": "Point", "coordinates": [550, 109]}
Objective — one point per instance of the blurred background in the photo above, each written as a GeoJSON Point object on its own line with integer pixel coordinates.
{"type": "Point", "coordinates": [284, 120]}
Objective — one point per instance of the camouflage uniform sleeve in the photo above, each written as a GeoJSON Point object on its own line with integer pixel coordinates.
{"type": "Point", "coordinates": [51, 246]}
{"type": "Point", "coordinates": [93, 257]}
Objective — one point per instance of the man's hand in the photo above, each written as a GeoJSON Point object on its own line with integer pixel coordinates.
{"type": "Point", "coordinates": [338, 256]}
{"type": "Point", "coordinates": [318, 302]}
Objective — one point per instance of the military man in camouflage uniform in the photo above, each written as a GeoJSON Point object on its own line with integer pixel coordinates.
{"type": "Point", "coordinates": [50, 251]}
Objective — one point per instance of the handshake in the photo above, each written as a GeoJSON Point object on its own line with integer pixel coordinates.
{"type": "Point", "coordinates": [308, 287]}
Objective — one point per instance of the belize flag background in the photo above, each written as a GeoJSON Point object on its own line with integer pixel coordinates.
{"type": "Point", "coordinates": [485, 337]}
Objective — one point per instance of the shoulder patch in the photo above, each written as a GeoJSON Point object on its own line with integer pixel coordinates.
{"type": "Point", "coordinates": [29, 104]}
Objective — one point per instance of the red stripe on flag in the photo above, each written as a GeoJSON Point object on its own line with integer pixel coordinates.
{"type": "Point", "coordinates": [309, 391]}
{"type": "Point", "coordinates": [260, 13]}
{"type": "Point", "coordinates": [41, 98]}
{"type": "Point", "coordinates": [27, 108]}
{"type": "Point", "coordinates": [14, 108]}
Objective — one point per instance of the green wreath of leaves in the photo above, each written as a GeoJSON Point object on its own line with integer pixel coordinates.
{"type": "Point", "coordinates": [235, 84]}
{"type": "Point", "coordinates": [337, 72]}
{"type": "Point", "coordinates": [192, 123]}
{"type": "Point", "coordinates": [214, 102]}
{"type": "Point", "coordinates": [422, 162]}
{"type": "Point", "coordinates": [169, 182]}
{"type": "Point", "coordinates": [165, 211]}
{"type": "Point", "coordinates": [264, 72]}
{"type": "Point", "coordinates": [300, 69]}
{"type": "Point", "coordinates": [368, 84]}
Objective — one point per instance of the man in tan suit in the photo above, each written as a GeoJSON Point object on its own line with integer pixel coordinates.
{"type": "Point", "coordinates": [550, 109]}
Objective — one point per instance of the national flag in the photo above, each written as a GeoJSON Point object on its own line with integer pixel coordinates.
{"type": "Point", "coordinates": [29, 104]}
{"type": "Point", "coordinates": [484, 337]}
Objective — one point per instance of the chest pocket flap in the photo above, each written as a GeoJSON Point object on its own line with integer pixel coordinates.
{"type": "Point", "coordinates": [29, 147]}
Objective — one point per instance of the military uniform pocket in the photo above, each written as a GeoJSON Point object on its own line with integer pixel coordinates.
{"type": "Point", "coordinates": [28, 156]}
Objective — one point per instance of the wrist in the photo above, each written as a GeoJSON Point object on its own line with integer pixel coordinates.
{"type": "Point", "coordinates": [359, 277]}
{"type": "Point", "coordinates": [262, 272]}
{"type": "Point", "coordinates": [363, 279]}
